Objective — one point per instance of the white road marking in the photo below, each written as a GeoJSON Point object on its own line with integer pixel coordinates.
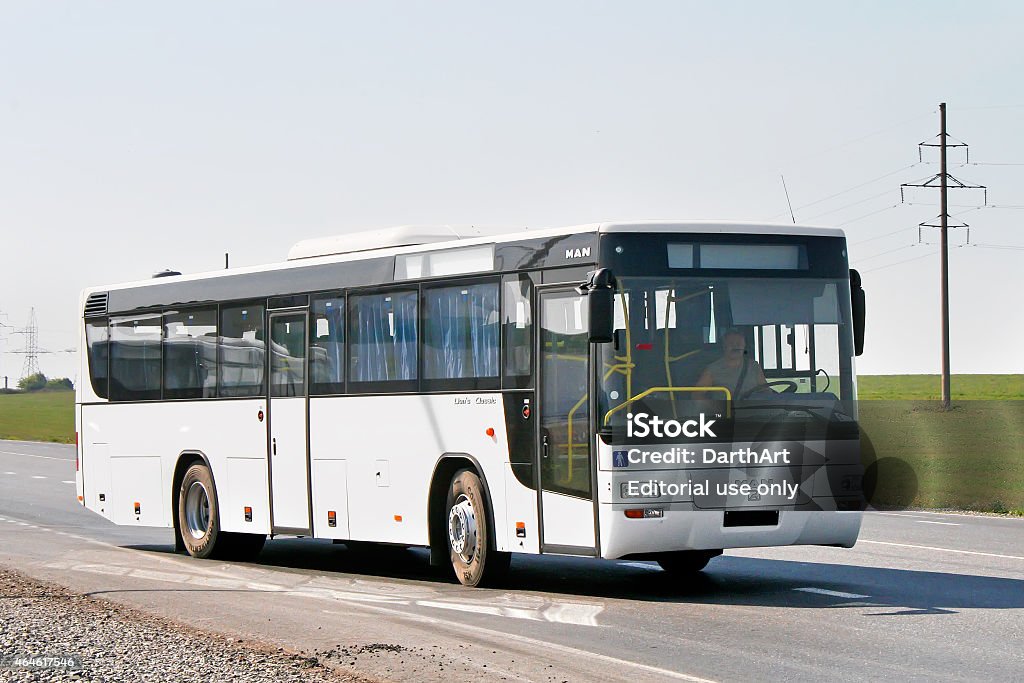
{"type": "Point", "coordinates": [946, 514]}
{"type": "Point", "coordinates": [834, 594]}
{"type": "Point", "coordinates": [536, 643]}
{"type": "Point", "coordinates": [894, 514]}
{"type": "Point", "coordinates": [10, 472]}
{"type": "Point", "coordinates": [67, 482]}
{"type": "Point", "coordinates": [569, 613]}
{"type": "Point", "coordinates": [641, 565]}
{"type": "Point", "coordinates": [38, 476]}
{"type": "Point", "coordinates": [928, 521]}
{"type": "Point", "coordinates": [492, 610]}
{"type": "Point", "coordinates": [561, 613]}
{"type": "Point", "coordinates": [944, 550]}
{"type": "Point", "coordinates": [31, 455]}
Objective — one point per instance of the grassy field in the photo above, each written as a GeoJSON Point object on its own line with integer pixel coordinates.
{"type": "Point", "coordinates": [928, 387]}
{"type": "Point", "coordinates": [39, 416]}
{"type": "Point", "coordinates": [966, 458]}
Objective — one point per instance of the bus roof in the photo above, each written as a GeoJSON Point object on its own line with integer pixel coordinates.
{"type": "Point", "coordinates": [411, 239]}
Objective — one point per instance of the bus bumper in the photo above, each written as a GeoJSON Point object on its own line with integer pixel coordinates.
{"type": "Point", "coordinates": [706, 530]}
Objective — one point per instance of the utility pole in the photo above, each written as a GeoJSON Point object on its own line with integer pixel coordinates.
{"type": "Point", "coordinates": [942, 180]}
{"type": "Point", "coordinates": [944, 258]}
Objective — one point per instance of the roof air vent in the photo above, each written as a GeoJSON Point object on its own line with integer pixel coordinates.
{"type": "Point", "coordinates": [166, 273]}
{"type": "Point", "coordinates": [96, 305]}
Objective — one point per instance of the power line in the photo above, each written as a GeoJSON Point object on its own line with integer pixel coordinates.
{"type": "Point", "coordinates": [890, 265]}
{"type": "Point", "coordinates": [878, 237]}
{"type": "Point", "coordinates": [973, 207]}
{"type": "Point", "coordinates": [886, 252]}
{"type": "Point", "coordinates": [847, 206]}
{"type": "Point", "coordinates": [994, 106]}
{"type": "Point", "coordinates": [1014, 247]}
{"type": "Point", "coordinates": [868, 215]}
{"type": "Point", "coordinates": [849, 189]}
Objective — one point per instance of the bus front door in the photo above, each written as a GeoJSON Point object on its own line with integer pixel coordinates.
{"type": "Point", "coordinates": [566, 496]}
{"type": "Point", "coordinates": [289, 460]}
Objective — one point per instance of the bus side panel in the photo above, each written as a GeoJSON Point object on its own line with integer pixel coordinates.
{"type": "Point", "coordinates": [521, 512]}
{"type": "Point", "coordinates": [391, 445]}
{"type": "Point", "coordinates": [131, 450]}
{"type": "Point", "coordinates": [79, 481]}
{"type": "Point", "coordinates": [94, 468]}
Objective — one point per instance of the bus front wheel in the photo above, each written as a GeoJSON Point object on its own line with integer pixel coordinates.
{"type": "Point", "coordinates": [470, 538]}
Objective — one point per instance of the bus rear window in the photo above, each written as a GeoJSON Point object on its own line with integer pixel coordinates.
{"type": "Point", "coordinates": [97, 336]}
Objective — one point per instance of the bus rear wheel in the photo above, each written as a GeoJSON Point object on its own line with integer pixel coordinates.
{"type": "Point", "coordinates": [199, 521]}
{"type": "Point", "coordinates": [470, 539]}
{"type": "Point", "coordinates": [686, 562]}
{"type": "Point", "coordinates": [198, 516]}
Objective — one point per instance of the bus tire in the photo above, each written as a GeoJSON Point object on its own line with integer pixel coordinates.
{"type": "Point", "coordinates": [470, 538]}
{"type": "Point", "coordinates": [686, 562]}
{"type": "Point", "coordinates": [198, 513]}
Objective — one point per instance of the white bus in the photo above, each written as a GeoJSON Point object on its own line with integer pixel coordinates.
{"type": "Point", "coordinates": [650, 390]}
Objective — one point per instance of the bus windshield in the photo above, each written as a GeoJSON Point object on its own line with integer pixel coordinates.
{"type": "Point", "coordinates": [755, 353]}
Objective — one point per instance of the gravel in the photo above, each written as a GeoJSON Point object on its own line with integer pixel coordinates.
{"type": "Point", "coordinates": [97, 640]}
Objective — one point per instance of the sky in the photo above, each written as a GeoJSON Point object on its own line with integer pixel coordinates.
{"type": "Point", "coordinates": [141, 136]}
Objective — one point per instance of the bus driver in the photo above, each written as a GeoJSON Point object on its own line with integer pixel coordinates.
{"type": "Point", "coordinates": [733, 370]}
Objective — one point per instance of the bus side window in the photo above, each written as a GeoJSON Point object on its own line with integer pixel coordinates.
{"type": "Point", "coordinates": [517, 330]}
{"type": "Point", "coordinates": [242, 350]}
{"type": "Point", "coordinates": [327, 345]}
{"type": "Point", "coordinates": [190, 353]}
{"type": "Point", "coordinates": [460, 336]}
{"type": "Point", "coordinates": [135, 358]}
{"type": "Point", "coordinates": [383, 338]}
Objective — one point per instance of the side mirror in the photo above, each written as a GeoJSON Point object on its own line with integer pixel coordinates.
{"type": "Point", "coordinates": [857, 308]}
{"type": "Point", "coordinates": [600, 292]}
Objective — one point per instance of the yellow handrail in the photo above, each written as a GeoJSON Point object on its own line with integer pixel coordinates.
{"type": "Point", "coordinates": [654, 390]}
{"type": "Point", "coordinates": [568, 476]}
{"type": "Point", "coordinates": [671, 299]}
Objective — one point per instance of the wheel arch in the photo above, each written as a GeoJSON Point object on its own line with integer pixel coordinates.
{"type": "Point", "coordinates": [444, 469]}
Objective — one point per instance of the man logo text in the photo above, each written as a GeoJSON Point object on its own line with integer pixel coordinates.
{"type": "Point", "coordinates": [577, 253]}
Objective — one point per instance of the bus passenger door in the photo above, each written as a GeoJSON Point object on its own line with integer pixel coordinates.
{"type": "Point", "coordinates": [564, 448]}
{"type": "Point", "coordinates": [289, 454]}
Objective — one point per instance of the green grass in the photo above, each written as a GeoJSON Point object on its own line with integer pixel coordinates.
{"type": "Point", "coordinates": [968, 458]}
{"type": "Point", "coordinates": [928, 387]}
{"type": "Point", "coordinates": [38, 416]}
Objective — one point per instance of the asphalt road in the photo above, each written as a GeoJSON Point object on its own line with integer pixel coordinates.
{"type": "Point", "coordinates": [923, 596]}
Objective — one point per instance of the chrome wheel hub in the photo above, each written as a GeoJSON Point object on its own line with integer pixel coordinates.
{"type": "Point", "coordinates": [197, 510]}
{"type": "Point", "coordinates": [462, 530]}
